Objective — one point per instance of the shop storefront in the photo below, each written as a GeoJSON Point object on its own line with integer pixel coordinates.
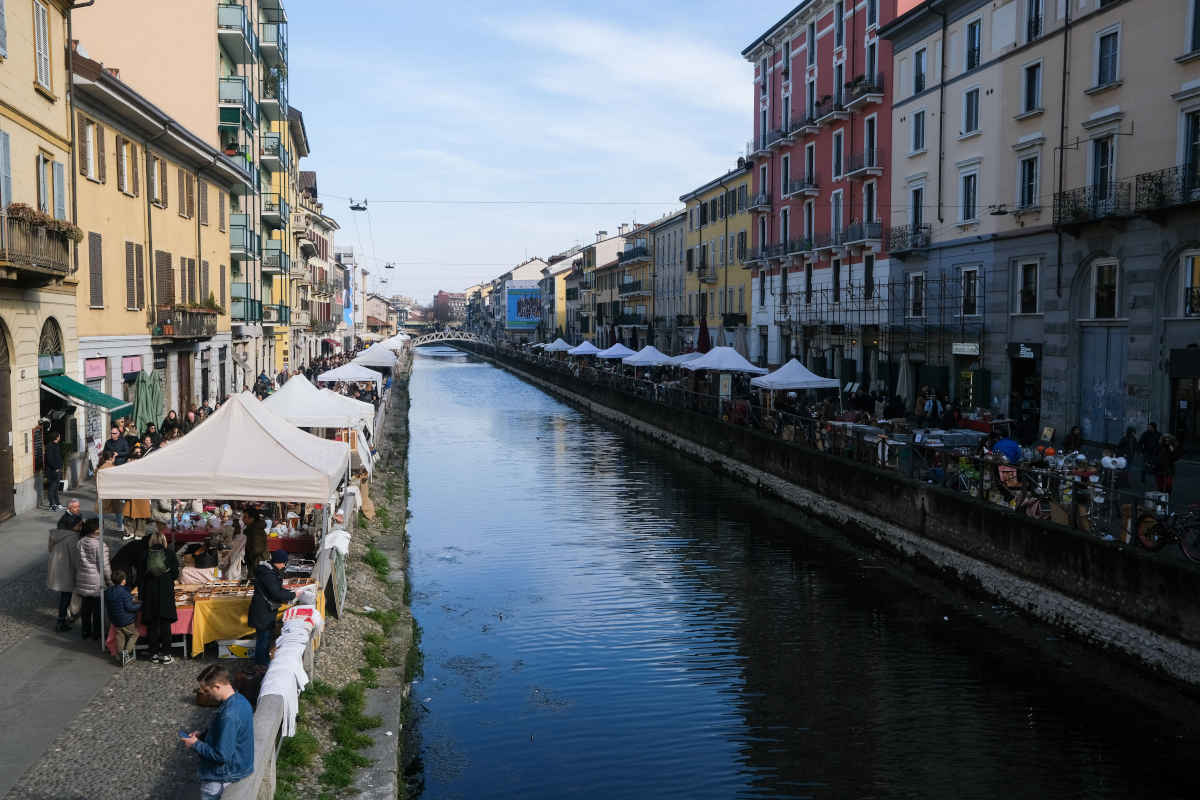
{"type": "Point", "coordinates": [1025, 391]}
{"type": "Point", "coordinates": [1185, 394]}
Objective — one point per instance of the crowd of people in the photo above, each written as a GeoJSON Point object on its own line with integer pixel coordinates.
{"type": "Point", "coordinates": [366, 392]}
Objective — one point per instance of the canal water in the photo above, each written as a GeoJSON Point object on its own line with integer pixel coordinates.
{"type": "Point", "coordinates": [601, 618]}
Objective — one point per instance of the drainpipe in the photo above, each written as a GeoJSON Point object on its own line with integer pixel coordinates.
{"type": "Point", "coordinates": [941, 111]}
{"type": "Point", "coordinates": [1062, 139]}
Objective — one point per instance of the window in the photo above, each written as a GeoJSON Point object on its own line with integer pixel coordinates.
{"type": "Point", "coordinates": [1190, 269]}
{"type": "Point", "coordinates": [41, 44]}
{"type": "Point", "coordinates": [970, 292]}
{"type": "Point", "coordinates": [839, 80]}
{"type": "Point", "coordinates": [810, 42]}
{"type": "Point", "coordinates": [6, 195]}
{"type": "Point", "coordinates": [808, 219]}
{"type": "Point", "coordinates": [90, 167]}
{"type": "Point", "coordinates": [1104, 290]}
{"type": "Point", "coordinates": [785, 116]}
{"type": "Point", "coordinates": [784, 225]}
{"type": "Point", "coordinates": [836, 270]}
{"type": "Point", "coordinates": [872, 49]}
{"type": "Point", "coordinates": [1027, 292]}
{"type": "Point", "coordinates": [1033, 20]}
{"type": "Point", "coordinates": [203, 202]}
{"type": "Point", "coordinates": [1103, 165]}
{"type": "Point", "coordinates": [810, 100]}
{"type": "Point", "coordinates": [973, 55]}
{"type": "Point", "coordinates": [763, 185]}
{"type": "Point", "coordinates": [968, 196]}
{"type": "Point", "coordinates": [1033, 87]}
{"type": "Point", "coordinates": [916, 208]}
{"type": "Point", "coordinates": [868, 276]}
{"type": "Point", "coordinates": [95, 271]}
{"type": "Point", "coordinates": [810, 162]}
{"type": "Point", "coordinates": [919, 70]}
{"type": "Point", "coordinates": [837, 154]}
{"type": "Point", "coordinates": [808, 282]}
{"type": "Point", "coordinates": [970, 120]}
{"type": "Point", "coordinates": [839, 24]}
{"type": "Point", "coordinates": [916, 294]}
{"type": "Point", "coordinates": [872, 12]}
{"type": "Point", "coordinates": [869, 214]}
{"type": "Point", "coordinates": [787, 59]}
{"type": "Point", "coordinates": [741, 299]}
{"type": "Point", "coordinates": [3, 32]}
{"type": "Point", "coordinates": [220, 211]}
{"type": "Point", "coordinates": [785, 173]}
{"type": "Point", "coordinates": [835, 214]}
{"type": "Point", "coordinates": [918, 132]}
{"type": "Point", "coordinates": [1107, 58]}
{"type": "Point", "coordinates": [762, 288]}
{"type": "Point", "coordinates": [1027, 197]}
{"type": "Point", "coordinates": [1193, 33]}
{"type": "Point", "coordinates": [764, 69]}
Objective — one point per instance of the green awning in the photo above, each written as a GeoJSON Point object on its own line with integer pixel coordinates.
{"type": "Point", "coordinates": [75, 392]}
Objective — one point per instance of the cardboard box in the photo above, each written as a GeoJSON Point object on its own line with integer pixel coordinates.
{"type": "Point", "coordinates": [235, 648]}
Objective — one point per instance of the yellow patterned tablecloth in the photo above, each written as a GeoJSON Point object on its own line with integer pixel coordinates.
{"type": "Point", "coordinates": [225, 618]}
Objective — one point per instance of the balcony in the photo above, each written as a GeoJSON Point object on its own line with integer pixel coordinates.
{"type": "Point", "coordinates": [274, 209]}
{"type": "Point", "coordinates": [634, 254]}
{"type": "Point", "coordinates": [1098, 203]}
{"type": "Point", "coordinates": [307, 242]}
{"type": "Point", "coordinates": [243, 159]}
{"type": "Point", "coordinates": [1174, 187]}
{"type": "Point", "coordinates": [272, 37]}
{"type": "Point", "coordinates": [760, 202]}
{"type": "Point", "coordinates": [863, 234]}
{"type": "Point", "coordinates": [865, 164]}
{"type": "Point", "coordinates": [755, 255]}
{"type": "Point", "coordinates": [184, 323]}
{"type": "Point", "coordinates": [572, 294]}
{"type": "Point", "coordinates": [830, 109]}
{"type": "Point", "coordinates": [236, 105]}
{"type": "Point", "coordinates": [706, 273]}
{"type": "Point", "coordinates": [798, 247]}
{"type": "Point", "coordinates": [323, 326]}
{"type": "Point", "coordinates": [732, 319]}
{"type": "Point", "coordinates": [585, 285]}
{"type": "Point", "coordinates": [273, 152]}
{"type": "Point", "coordinates": [31, 254]}
{"type": "Point", "coordinates": [631, 319]}
{"type": "Point", "coordinates": [300, 271]}
{"type": "Point", "coordinates": [865, 91]}
{"type": "Point", "coordinates": [234, 33]}
{"type": "Point", "coordinates": [301, 317]}
{"type": "Point", "coordinates": [829, 240]}
{"type": "Point", "coordinates": [322, 288]}
{"type": "Point", "coordinates": [805, 186]}
{"type": "Point", "coordinates": [274, 260]}
{"type": "Point", "coordinates": [243, 242]}
{"type": "Point", "coordinates": [276, 314]}
{"type": "Point", "coordinates": [908, 239]}
{"type": "Point", "coordinates": [777, 138]}
{"type": "Point", "coordinates": [273, 96]}
{"type": "Point", "coordinates": [685, 320]}
{"type": "Point", "coordinates": [804, 126]}
{"type": "Point", "coordinates": [777, 252]}
{"type": "Point", "coordinates": [631, 288]}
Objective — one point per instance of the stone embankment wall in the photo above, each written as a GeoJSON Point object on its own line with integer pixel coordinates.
{"type": "Point", "coordinates": [1138, 604]}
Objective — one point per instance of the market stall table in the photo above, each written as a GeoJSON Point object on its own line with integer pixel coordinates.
{"type": "Point", "coordinates": [182, 626]}
{"type": "Point", "coordinates": [224, 617]}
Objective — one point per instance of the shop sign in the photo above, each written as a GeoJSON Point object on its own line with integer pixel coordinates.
{"type": "Point", "coordinates": [95, 368]}
{"type": "Point", "coordinates": [965, 348]}
{"type": "Point", "coordinates": [1023, 350]}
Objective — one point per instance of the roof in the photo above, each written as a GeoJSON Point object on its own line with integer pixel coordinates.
{"type": "Point", "coordinates": [671, 219]}
{"type": "Point", "coordinates": [783, 21]}
{"type": "Point", "coordinates": [913, 15]}
{"type": "Point", "coordinates": [298, 131]}
{"type": "Point", "coordinates": [736, 172]}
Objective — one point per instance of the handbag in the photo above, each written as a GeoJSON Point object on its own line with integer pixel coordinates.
{"type": "Point", "coordinates": [76, 605]}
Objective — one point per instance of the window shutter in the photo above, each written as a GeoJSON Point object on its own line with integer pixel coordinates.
{"type": "Point", "coordinates": [221, 211]}
{"type": "Point", "coordinates": [95, 271]}
{"type": "Point", "coordinates": [203, 203]}
{"type": "Point", "coordinates": [101, 168]}
{"type": "Point", "coordinates": [60, 190]}
{"type": "Point", "coordinates": [191, 270]}
{"type": "Point", "coordinates": [3, 32]}
{"type": "Point", "coordinates": [191, 197]}
{"type": "Point", "coordinates": [81, 137]}
{"type": "Point", "coordinates": [182, 193]}
{"type": "Point", "coordinates": [221, 271]}
{"type": "Point", "coordinates": [41, 42]}
{"type": "Point", "coordinates": [164, 278]}
{"type": "Point", "coordinates": [130, 277]}
{"type": "Point", "coordinates": [162, 181]}
{"type": "Point", "coordinates": [204, 281]}
{"type": "Point", "coordinates": [133, 156]}
{"type": "Point", "coordinates": [140, 267]}
{"type": "Point", "coordinates": [5, 169]}
{"type": "Point", "coordinates": [121, 187]}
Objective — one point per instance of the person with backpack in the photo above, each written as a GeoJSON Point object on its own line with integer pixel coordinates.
{"type": "Point", "coordinates": [159, 571]}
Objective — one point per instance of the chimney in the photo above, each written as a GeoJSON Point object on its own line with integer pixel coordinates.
{"type": "Point", "coordinates": [601, 235]}
{"type": "Point", "coordinates": [623, 229]}
{"type": "Point", "coordinates": [114, 71]}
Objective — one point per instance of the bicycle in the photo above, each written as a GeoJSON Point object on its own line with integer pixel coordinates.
{"type": "Point", "coordinates": [1155, 532]}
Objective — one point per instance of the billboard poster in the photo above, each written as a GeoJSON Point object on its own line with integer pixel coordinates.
{"type": "Point", "coordinates": [523, 305]}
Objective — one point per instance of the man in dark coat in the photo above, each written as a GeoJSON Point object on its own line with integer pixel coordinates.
{"type": "Point", "coordinates": [116, 445]}
{"type": "Point", "coordinates": [53, 470]}
{"type": "Point", "coordinates": [255, 530]}
{"type": "Point", "coordinates": [269, 595]}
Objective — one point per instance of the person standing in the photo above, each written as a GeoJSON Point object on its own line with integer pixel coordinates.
{"type": "Point", "coordinates": [91, 576]}
{"type": "Point", "coordinates": [62, 566]}
{"type": "Point", "coordinates": [71, 519]}
{"type": "Point", "coordinates": [53, 464]}
{"type": "Point", "coordinates": [113, 508]}
{"type": "Point", "coordinates": [122, 610]}
{"type": "Point", "coordinates": [1169, 452]}
{"type": "Point", "coordinates": [116, 446]}
{"type": "Point", "coordinates": [255, 530]}
{"type": "Point", "coordinates": [1149, 444]}
{"type": "Point", "coordinates": [226, 749]}
{"type": "Point", "coordinates": [269, 595]}
{"type": "Point", "coordinates": [159, 571]}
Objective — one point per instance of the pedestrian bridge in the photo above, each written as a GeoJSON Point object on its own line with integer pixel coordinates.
{"type": "Point", "coordinates": [448, 337]}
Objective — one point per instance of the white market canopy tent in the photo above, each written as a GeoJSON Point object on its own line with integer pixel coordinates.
{"type": "Point", "coordinates": [585, 349]}
{"type": "Point", "coordinates": [648, 356]}
{"type": "Point", "coordinates": [242, 452]}
{"type": "Point", "coordinates": [684, 358]}
{"type": "Point", "coordinates": [558, 346]}
{"type": "Point", "coordinates": [362, 413]}
{"type": "Point", "coordinates": [723, 359]}
{"type": "Point", "coordinates": [397, 342]}
{"type": "Point", "coordinates": [377, 355]}
{"type": "Point", "coordinates": [618, 350]}
{"type": "Point", "coordinates": [351, 373]}
{"type": "Point", "coordinates": [306, 406]}
{"type": "Point", "coordinates": [791, 376]}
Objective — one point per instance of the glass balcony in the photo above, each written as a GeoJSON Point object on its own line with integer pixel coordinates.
{"type": "Point", "coordinates": [237, 106]}
{"type": "Point", "coordinates": [274, 260]}
{"type": "Point", "coordinates": [272, 97]}
{"type": "Point", "coordinates": [276, 314]}
{"type": "Point", "coordinates": [640, 253]}
{"type": "Point", "coordinates": [272, 151]}
{"type": "Point", "coordinates": [243, 307]}
{"type": "Point", "coordinates": [235, 33]}
{"type": "Point", "coordinates": [243, 242]}
{"type": "Point", "coordinates": [274, 209]}
{"type": "Point", "coordinates": [273, 37]}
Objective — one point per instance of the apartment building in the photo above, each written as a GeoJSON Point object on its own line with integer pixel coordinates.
{"type": "Point", "coordinates": [152, 200]}
{"type": "Point", "coordinates": [319, 285]}
{"type": "Point", "coordinates": [633, 285]}
{"type": "Point", "coordinates": [1059, 239]}
{"type": "Point", "coordinates": [596, 255]}
{"type": "Point", "coordinates": [717, 240]}
{"type": "Point", "coordinates": [38, 245]}
{"type": "Point", "coordinates": [221, 70]}
{"type": "Point", "coordinates": [821, 170]}
{"type": "Point", "coordinates": [553, 288]}
{"type": "Point", "coordinates": [667, 237]}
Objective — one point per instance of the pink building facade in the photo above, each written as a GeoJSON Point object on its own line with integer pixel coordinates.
{"type": "Point", "coordinates": [821, 162]}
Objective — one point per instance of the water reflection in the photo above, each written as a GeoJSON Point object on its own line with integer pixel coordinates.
{"type": "Point", "coordinates": [605, 620]}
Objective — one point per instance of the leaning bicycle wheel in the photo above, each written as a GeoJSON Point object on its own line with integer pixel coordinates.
{"type": "Point", "coordinates": [1150, 533]}
{"type": "Point", "coordinates": [1189, 542]}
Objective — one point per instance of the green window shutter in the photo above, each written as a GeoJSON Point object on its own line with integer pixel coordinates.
{"type": "Point", "coordinates": [95, 271]}
{"type": "Point", "coordinates": [130, 276]}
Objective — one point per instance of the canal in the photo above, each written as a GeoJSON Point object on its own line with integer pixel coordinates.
{"type": "Point", "coordinates": [601, 618]}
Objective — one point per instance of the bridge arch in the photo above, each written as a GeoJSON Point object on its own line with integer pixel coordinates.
{"type": "Point", "coordinates": [439, 337]}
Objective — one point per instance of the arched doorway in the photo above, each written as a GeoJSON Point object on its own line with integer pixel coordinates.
{"type": "Point", "coordinates": [7, 499]}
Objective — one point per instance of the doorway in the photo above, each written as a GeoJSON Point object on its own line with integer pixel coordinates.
{"type": "Point", "coordinates": [7, 500]}
{"type": "Point", "coordinates": [185, 383]}
{"type": "Point", "coordinates": [1102, 383]}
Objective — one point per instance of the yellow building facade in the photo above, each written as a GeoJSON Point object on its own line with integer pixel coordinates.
{"type": "Point", "coordinates": [37, 243]}
{"type": "Point", "coordinates": [153, 205]}
{"type": "Point", "coordinates": [717, 284]}
{"type": "Point", "coordinates": [634, 288]}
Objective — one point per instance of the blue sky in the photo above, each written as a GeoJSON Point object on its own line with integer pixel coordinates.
{"type": "Point", "coordinates": [620, 101]}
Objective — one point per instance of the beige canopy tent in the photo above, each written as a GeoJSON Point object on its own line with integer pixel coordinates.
{"type": "Point", "coordinates": [304, 405]}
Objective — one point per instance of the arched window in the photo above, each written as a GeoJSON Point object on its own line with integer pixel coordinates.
{"type": "Point", "coordinates": [50, 349]}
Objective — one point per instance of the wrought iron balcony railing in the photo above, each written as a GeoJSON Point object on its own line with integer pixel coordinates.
{"type": "Point", "coordinates": [906, 238]}
{"type": "Point", "coordinates": [36, 252]}
{"type": "Point", "coordinates": [1167, 188]}
{"type": "Point", "coordinates": [185, 323]}
{"type": "Point", "coordinates": [1093, 203]}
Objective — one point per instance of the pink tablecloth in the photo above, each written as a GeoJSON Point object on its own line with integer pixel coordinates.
{"type": "Point", "coordinates": [187, 537]}
{"type": "Point", "coordinates": [298, 544]}
{"type": "Point", "coordinates": [181, 626]}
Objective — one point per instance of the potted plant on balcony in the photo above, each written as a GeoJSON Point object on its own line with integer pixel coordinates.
{"type": "Point", "coordinates": [38, 219]}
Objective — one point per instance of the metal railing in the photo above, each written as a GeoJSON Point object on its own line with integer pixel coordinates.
{"type": "Point", "coordinates": [827, 239]}
{"type": "Point", "coordinates": [630, 287]}
{"type": "Point", "coordinates": [273, 91]}
{"type": "Point", "coordinates": [800, 245]}
{"type": "Point", "coordinates": [243, 241]}
{"type": "Point", "coordinates": [865, 160]}
{"type": "Point", "coordinates": [233, 91]}
{"type": "Point", "coordinates": [272, 146]}
{"type": "Point", "coordinates": [631, 319]}
{"type": "Point", "coordinates": [1033, 28]}
{"type": "Point", "coordinates": [1167, 188]}
{"type": "Point", "coordinates": [864, 88]}
{"type": "Point", "coordinates": [633, 253]}
{"type": "Point", "coordinates": [274, 206]}
{"type": "Point", "coordinates": [827, 107]}
{"type": "Point", "coordinates": [184, 323]}
{"type": "Point", "coordinates": [805, 183]}
{"type": "Point", "coordinates": [1092, 203]}
{"type": "Point", "coordinates": [275, 259]}
{"type": "Point", "coordinates": [857, 232]}
{"type": "Point", "coordinates": [908, 237]}
{"type": "Point", "coordinates": [273, 37]}
{"type": "Point", "coordinates": [28, 246]}
{"type": "Point", "coordinates": [233, 19]}
{"type": "Point", "coordinates": [760, 202]}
